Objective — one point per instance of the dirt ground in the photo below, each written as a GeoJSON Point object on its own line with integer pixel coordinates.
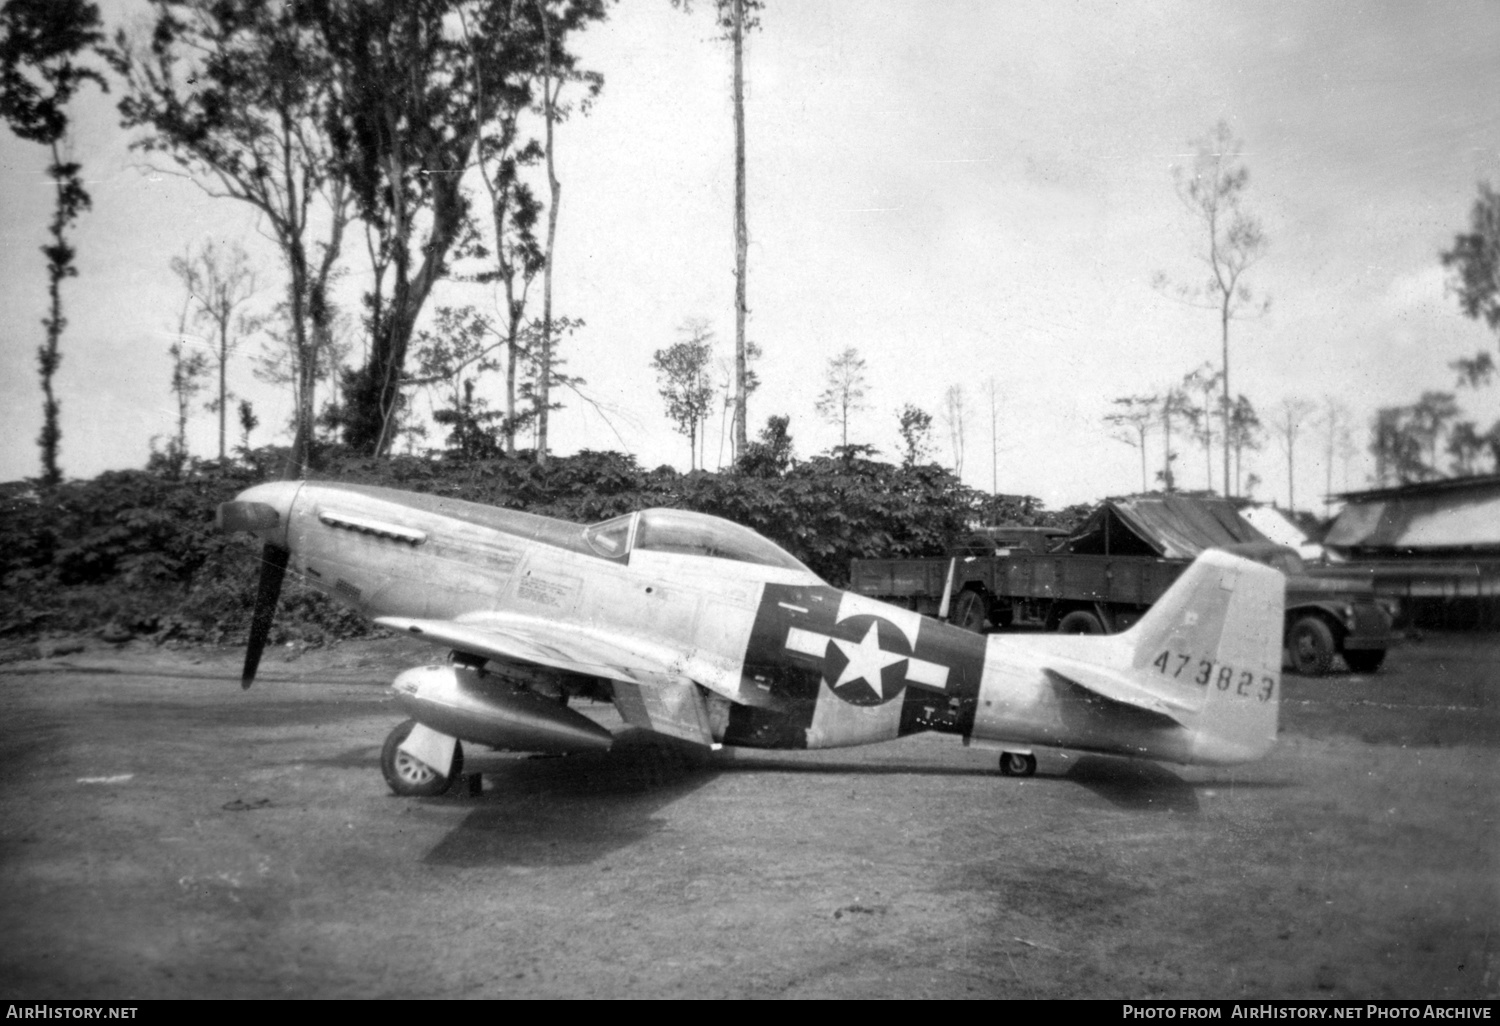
{"type": "Point", "coordinates": [163, 834]}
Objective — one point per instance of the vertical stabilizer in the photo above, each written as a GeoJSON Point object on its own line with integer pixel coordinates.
{"type": "Point", "coordinates": [1212, 645]}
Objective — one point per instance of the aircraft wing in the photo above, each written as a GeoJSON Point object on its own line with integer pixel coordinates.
{"type": "Point", "coordinates": [653, 688]}
{"type": "Point", "coordinates": [532, 640]}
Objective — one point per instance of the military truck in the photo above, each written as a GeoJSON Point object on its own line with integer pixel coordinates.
{"type": "Point", "coordinates": [1104, 576]}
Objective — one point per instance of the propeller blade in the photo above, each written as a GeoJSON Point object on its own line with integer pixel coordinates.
{"type": "Point", "coordinates": [274, 559]}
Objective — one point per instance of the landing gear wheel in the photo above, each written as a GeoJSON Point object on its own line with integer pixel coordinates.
{"type": "Point", "coordinates": [1017, 764]}
{"type": "Point", "coordinates": [1080, 622]}
{"type": "Point", "coordinates": [1310, 645]}
{"type": "Point", "coordinates": [1366, 660]}
{"type": "Point", "coordinates": [412, 778]}
{"type": "Point", "coordinates": [969, 612]}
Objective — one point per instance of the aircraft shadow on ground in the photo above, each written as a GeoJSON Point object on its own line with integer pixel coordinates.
{"type": "Point", "coordinates": [1135, 785]}
{"type": "Point", "coordinates": [1149, 786]}
{"type": "Point", "coordinates": [571, 810]}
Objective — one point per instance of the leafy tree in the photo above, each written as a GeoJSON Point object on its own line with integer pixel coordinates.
{"type": "Point", "coordinates": [1132, 418]}
{"type": "Point", "coordinates": [1286, 423]}
{"type": "Point", "coordinates": [1202, 382]}
{"type": "Point", "coordinates": [243, 96]}
{"type": "Point", "coordinates": [302, 365]}
{"type": "Point", "coordinates": [1430, 417]}
{"type": "Point", "coordinates": [248, 423]}
{"type": "Point", "coordinates": [771, 455]}
{"type": "Point", "coordinates": [1475, 371]}
{"type": "Point", "coordinates": [1245, 431]}
{"type": "Point", "coordinates": [220, 282]}
{"type": "Point", "coordinates": [189, 367]}
{"type": "Point", "coordinates": [727, 377]}
{"type": "Point", "coordinates": [40, 44]}
{"type": "Point", "coordinates": [1212, 190]}
{"type": "Point", "coordinates": [846, 389]}
{"type": "Point", "coordinates": [683, 380]}
{"type": "Point", "coordinates": [1474, 263]}
{"type": "Point", "coordinates": [1467, 446]}
{"type": "Point", "coordinates": [1398, 454]}
{"type": "Point", "coordinates": [1171, 404]}
{"type": "Point", "coordinates": [916, 435]}
{"type": "Point", "coordinates": [502, 154]}
{"type": "Point", "coordinates": [454, 356]}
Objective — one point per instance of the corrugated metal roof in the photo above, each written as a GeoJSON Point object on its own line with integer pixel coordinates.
{"type": "Point", "coordinates": [1455, 518]}
{"type": "Point", "coordinates": [1171, 526]}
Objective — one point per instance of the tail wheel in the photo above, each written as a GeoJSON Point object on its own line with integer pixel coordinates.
{"type": "Point", "coordinates": [412, 778]}
{"type": "Point", "coordinates": [1017, 764]}
{"type": "Point", "coordinates": [1080, 621]}
{"type": "Point", "coordinates": [1310, 646]}
{"type": "Point", "coordinates": [970, 612]}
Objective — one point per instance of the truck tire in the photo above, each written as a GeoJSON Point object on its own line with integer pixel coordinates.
{"type": "Point", "coordinates": [1080, 621]}
{"type": "Point", "coordinates": [1365, 660]}
{"type": "Point", "coordinates": [1310, 646]}
{"type": "Point", "coordinates": [969, 612]}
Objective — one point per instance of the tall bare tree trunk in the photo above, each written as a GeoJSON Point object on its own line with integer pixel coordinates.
{"type": "Point", "coordinates": [1224, 323]}
{"type": "Point", "coordinates": [544, 382]}
{"type": "Point", "coordinates": [741, 232]}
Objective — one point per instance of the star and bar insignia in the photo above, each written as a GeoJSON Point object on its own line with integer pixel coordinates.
{"type": "Point", "coordinates": [868, 653]}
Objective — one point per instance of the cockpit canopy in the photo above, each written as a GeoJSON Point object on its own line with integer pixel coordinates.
{"type": "Point", "coordinates": [691, 534]}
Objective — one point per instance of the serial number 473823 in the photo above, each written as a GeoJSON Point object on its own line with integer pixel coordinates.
{"type": "Point", "coordinates": [1207, 673]}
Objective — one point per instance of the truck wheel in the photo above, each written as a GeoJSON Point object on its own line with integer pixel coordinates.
{"type": "Point", "coordinates": [1366, 660]}
{"type": "Point", "coordinates": [410, 777]}
{"type": "Point", "coordinates": [1310, 645]}
{"type": "Point", "coordinates": [1080, 622]}
{"type": "Point", "coordinates": [969, 612]}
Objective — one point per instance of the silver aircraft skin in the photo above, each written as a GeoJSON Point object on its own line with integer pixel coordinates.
{"type": "Point", "coordinates": [700, 629]}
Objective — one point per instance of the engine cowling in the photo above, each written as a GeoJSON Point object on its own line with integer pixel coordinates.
{"type": "Point", "coordinates": [475, 706]}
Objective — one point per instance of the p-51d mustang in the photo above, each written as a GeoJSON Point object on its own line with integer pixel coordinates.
{"type": "Point", "coordinates": [701, 629]}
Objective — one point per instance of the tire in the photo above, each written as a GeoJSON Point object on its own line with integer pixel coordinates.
{"type": "Point", "coordinates": [969, 612]}
{"type": "Point", "coordinates": [1310, 646]}
{"type": "Point", "coordinates": [1366, 660]}
{"type": "Point", "coordinates": [1017, 764]}
{"type": "Point", "coordinates": [1080, 621]}
{"type": "Point", "coordinates": [409, 777]}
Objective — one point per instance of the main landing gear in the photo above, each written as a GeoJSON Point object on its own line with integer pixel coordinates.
{"type": "Point", "coordinates": [1017, 764]}
{"type": "Point", "coordinates": [412, 778]}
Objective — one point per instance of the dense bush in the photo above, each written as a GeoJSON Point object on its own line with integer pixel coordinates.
{"type": "Point", "coordinates": [136, 552]}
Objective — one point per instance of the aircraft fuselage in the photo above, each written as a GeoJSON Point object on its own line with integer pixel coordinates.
{"type": "Point", "coordinates": [694, 630]}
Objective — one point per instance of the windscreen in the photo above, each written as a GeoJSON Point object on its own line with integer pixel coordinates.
{"type": "Point", "coordinates": [611, 538]}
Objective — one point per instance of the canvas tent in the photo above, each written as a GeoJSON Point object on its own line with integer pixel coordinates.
{"type": "Point", "coordinates": [1169, 526]}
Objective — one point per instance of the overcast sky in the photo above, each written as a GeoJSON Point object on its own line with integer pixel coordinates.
{"type": "Point", "coordinates": [961, 191]}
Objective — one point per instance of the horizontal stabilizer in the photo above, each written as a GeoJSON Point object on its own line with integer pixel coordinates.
{"type": "Point", "coordinates": [1103, 684]}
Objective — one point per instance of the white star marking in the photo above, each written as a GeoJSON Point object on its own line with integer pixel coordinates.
{"type": "Point", "coordinates": [866, 660]}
